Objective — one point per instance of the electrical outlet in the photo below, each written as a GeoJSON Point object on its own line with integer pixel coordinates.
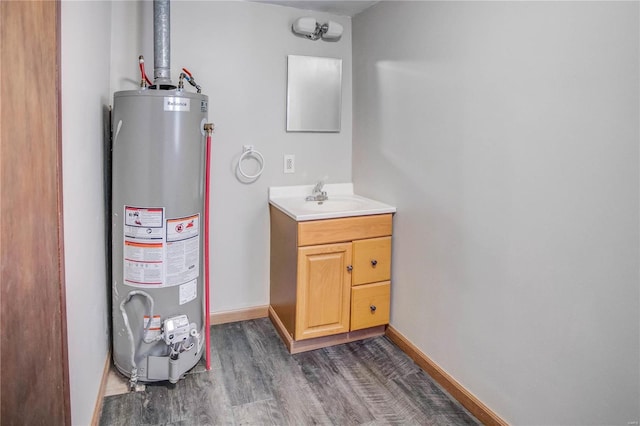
{"type": "Point", "coordinates": [289, 163]}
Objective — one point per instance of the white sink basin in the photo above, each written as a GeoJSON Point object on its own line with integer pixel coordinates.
{"type": "Point", "coordinates": [341, 203]}
{"type": "Point", "coordinates": [344, 203]}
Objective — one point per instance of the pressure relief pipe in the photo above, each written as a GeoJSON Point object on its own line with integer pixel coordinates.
{"type": "Point", "coordinates": [161, 43]}
{"type": "Point", "coordinates": [207, 189]}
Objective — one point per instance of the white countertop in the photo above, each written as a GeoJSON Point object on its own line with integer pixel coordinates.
{"type": "Point", "coordinates": [341, 202]}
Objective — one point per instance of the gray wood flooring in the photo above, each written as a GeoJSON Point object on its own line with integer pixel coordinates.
{"type": "Point", "coordinates": [255, 381]}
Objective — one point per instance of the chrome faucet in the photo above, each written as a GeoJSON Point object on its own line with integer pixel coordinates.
{"type": "Point", "coordinates": [318, 194]}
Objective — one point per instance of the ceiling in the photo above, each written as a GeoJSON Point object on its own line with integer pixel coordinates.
{"type": "Point", "coordinates": [335, 7]}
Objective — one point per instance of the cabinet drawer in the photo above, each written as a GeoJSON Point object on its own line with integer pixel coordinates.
{"type": "Point", "coordinates": [344, 229]}
{"type": "Point", "coordinates": [370, 305]}
{"type": "Point", "coordinates": [371, 260]}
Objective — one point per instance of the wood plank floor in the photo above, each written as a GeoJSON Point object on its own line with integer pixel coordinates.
{"type": "Point", "coordinates": [255, 381]}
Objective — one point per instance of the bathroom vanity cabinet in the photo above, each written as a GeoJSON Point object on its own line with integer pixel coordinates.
{"type": "Point", "coordinates": [330, 279]}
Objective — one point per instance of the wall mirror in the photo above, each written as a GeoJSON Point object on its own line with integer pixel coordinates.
{"type": "Point", "coordinates": [314, 94]}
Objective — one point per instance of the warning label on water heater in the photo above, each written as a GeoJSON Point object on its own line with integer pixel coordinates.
{"type": "Point", "coordinates": [153, 329]}
{"type": "Point", "coordinates": [160, 252]}
{"type": "Point", "coordinates": [183, 249]}
{"type": "Point", "coordinates": [144, 246]}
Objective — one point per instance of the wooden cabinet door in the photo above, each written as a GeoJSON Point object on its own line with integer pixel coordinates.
{"type": "Point", "coordinates": [323, 290]}
{"type": "Point", "coordinates": [34, 379]}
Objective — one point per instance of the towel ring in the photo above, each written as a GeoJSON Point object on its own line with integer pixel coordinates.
{"type": "Point", "coordinates": [248, 151]}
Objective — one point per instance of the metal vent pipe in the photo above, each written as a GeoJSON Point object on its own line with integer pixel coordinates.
{"type": "Point", "coordinates": [161, 42]}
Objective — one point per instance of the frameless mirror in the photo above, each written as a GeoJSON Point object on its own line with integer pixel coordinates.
{"type": "Point", "coordinates": [314, 94]}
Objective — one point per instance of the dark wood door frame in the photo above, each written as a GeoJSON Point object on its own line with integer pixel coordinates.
{"type": "Point", "coordinates": [34, 374]}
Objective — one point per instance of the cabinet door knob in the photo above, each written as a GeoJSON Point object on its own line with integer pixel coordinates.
{"type": "Point", "coordinates": [373, 308]}
{"type": "Point", "coordinates": [374, 263]}
{"type": "Point", "coordinates": [349, 268]}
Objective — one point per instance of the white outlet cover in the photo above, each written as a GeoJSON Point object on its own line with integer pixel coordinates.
{"type": "Point", "coordinates": [289, 163]}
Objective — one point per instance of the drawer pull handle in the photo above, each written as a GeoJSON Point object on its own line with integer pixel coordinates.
{"type": "Point", "coordinates": [374, 263]}
{"type": "Point", "coordinates": [373, 308]}
{"type": "Point", "coordinates": [349, 268]}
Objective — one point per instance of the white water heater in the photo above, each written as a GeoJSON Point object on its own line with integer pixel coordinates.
{"type": "Point", "coordinates": [159, 135]}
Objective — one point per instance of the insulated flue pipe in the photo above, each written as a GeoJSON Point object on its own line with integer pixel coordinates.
{"type": "Point", "coordinates": [161, 42]}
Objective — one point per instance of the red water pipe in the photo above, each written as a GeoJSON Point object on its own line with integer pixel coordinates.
{"type": "Point", "coordinates": [207, 189]}
{"type": "Point", "coordinates": [142, 73]}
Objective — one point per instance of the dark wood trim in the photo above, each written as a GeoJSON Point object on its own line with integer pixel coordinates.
{"type": "Point", "coordinates": [61, 270]}
{"type": "Point", "coordinates": [34, 382]}
{"type": "Point", "coordinates": [457, 391]}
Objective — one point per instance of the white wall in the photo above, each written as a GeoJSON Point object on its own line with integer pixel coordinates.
{"type": "Point", "coordinates": [507, 136]}
{"type": "Point", "coordinates": [86, 28]}
{"type": "Point", "coordinates": [237, 52]}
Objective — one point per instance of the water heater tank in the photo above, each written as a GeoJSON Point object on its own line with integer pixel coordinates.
{"type": "Point", "coordinates": [158, 171]}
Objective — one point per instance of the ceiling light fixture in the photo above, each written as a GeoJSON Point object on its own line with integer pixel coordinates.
{"type": "Point", "coordinates": [311, 29]}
